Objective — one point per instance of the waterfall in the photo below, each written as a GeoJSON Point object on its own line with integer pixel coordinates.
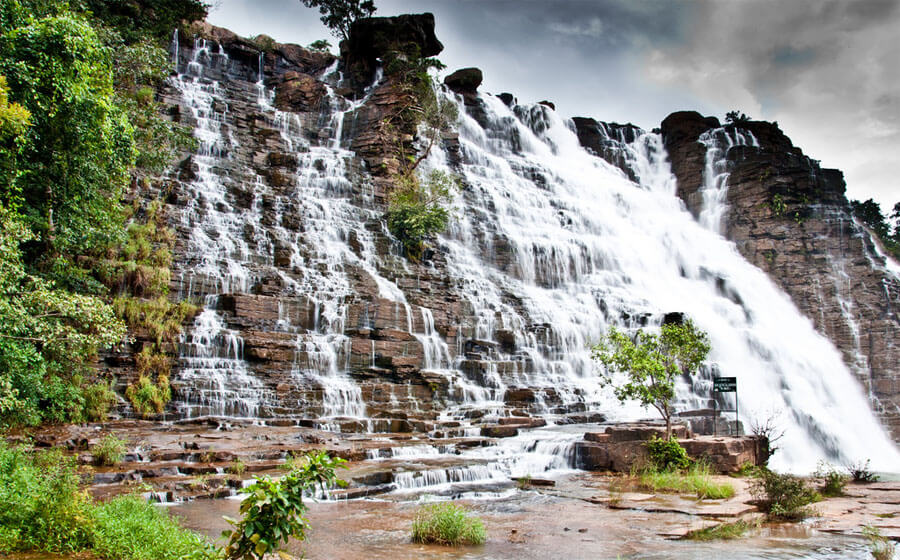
{"type": "Point", "coordinates": [585, 249]}
{"type": "Point", "coordinates": [715, 171]}
{"type": "Point", "coordinates": [549, 246]}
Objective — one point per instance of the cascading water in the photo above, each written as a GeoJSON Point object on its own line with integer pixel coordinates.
{"type": "Point", "coordinates": [549, 246]}
{"type": "Point", "coordinates": [715, 171]}
{"type": "Point", "coordinates": [590, 250]}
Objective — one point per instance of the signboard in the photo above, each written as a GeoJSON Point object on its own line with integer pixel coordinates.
{"type": "Point", "coordinates": [725, 384]}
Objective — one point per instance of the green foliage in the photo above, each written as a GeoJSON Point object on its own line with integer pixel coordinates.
{"type": "Point", "coordinates": [722, 531]}
{"type": "Point", "coordinates": [237, 467]}
{"type": "Point", "coordinates": [736, 117]}
{"type": "Point", "coordinates": [321, 45]}
{"type": "Point", "coordinates": [860, 472]}
{"type": "Point", "coordinates": [140, 19]}
{"type": "Point", "coordinates": [783, 496]}
{"type": "Point", "coordinates": [41, 507]}
{"type": "Point", "coordinates": [74, 165]}
{"type": "Point", "coordinates": [447, 524]}
{"type": "Point", "coordinates": [881, 547]}
{"type": "Point", "coordinates": [99, 398]}
{"type": "Point", "coordinates": [777, 205]}
{"type": "Point", "coordinates": [264, 42]}
{"type": "Point", "coordinates": [273, 511]}
{"type": "Point", "coordinates": [651, 363]}
{"type": "Point", "coordinates": [695, 480]}
{"type": "Point", "coordinates": [417, 209]}
{"type": "Point", "coordinates": [831, 479]}
{"type": "Point", "coordinates": [129, 528]}
{"type": "Point", "coordinates": [161, 319]}
{"type": "Point", "coordinates": [148, 397]}
{"type": "Point", "coordinates": [109, 451]}
{"type": "Point", "coordinates": [869, 213]}
{"type": "Point", "coordinates": [667, 454]}
{"type": "Point", "coordinates": [47, 337]}
{"type": "Point", "coordinates": [339, 15]}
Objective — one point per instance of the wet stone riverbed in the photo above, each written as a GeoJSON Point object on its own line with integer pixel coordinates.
{"type": "Point", "coordinates": [534, 503]}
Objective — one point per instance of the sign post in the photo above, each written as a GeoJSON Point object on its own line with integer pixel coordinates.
{"type": "Point", "coordinates": [726, 385]}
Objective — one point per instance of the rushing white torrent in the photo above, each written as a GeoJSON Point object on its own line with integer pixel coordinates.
{"type": "Point", "coordinates": [548, 247]}
{"type": "Point", "coordinates": [592, 250]}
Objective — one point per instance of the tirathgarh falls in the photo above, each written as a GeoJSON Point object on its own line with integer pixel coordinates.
{"type": "Point", "coordinates": [364, 312]}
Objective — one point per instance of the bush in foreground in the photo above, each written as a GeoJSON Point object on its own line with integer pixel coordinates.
{"type": "Point", "coordinates": [783, 496]}
{"type": "Point", "coordinates": [447, 524]}
{"type": "Point", "coordinates": [273, 511]}
{"type": "Point", "coordinates": [129, 528]}
{"type": "Point", "coordinates": [43, 509]}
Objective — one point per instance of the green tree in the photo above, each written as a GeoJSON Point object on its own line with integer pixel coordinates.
{"type": "Point", "coordinates": [74, 165]}
{"type": "Point", "coordinates": [47, 338]}
{"type": "Point", "coordinates": [139, 20]}
{"type": "Point", "coordinates": [339, 15]}
{"type": "Point", "coordinates": [417, 209]}
{"type": "Point", "coordinates": [273, 510]}
{"type": "Point", "coordinates": [651, 363]}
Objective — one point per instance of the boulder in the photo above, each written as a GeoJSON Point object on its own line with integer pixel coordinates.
{"type": "Point", "coordinates": [464, 80]}
{"type": "Point", "coordinates": [507, 99]}
{"type": "Point", "coordinates": [375, 38]}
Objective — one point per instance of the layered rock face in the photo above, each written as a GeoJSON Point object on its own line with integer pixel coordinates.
{"type": "Point", "coordinates": [311, 315]}
{"type": "Point", "coordinates": [789, 217]}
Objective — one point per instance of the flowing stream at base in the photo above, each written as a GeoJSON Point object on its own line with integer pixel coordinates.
{"type": "Point", "coordinates": [548, 246]}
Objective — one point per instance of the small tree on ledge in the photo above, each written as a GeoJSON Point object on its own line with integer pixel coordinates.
{"type": "Point", "coordinates": [651, 362]}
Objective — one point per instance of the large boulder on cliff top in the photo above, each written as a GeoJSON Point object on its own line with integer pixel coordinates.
{"type": "Point", "coordinates": [374, 38]}
{"type": "Point", "coordinates": [686, 125]}
{"type": "Point", "coordinates": [465, 80]}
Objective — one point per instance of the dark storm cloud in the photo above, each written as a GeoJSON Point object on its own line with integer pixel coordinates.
{"type": "Point", "coordinates": [825, 69]}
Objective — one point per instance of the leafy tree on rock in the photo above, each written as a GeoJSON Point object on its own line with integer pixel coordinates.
{"type": "Point", "coordinates": [651, 363]}
{"type": "Point", "coordinates": [338, 15]}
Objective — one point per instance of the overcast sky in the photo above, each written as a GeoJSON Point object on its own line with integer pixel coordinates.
{"type": "Point", "coordinates": [827, 71]}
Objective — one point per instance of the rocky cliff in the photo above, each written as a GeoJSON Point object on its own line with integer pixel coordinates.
{"type": "Point", "coordinates": [311, 314]}
{"type": "Point", "coordinates": [790, 218]}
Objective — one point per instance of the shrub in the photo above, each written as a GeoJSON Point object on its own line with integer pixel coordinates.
{"type": "Point", "coordinates": [417, 209]}
{"type": "Point", "coordinates": [109, 451]}
{"type": "Point", "coordinates": [447, 524]}
{"type": "Point", "coordinates": [129, 528]}
{"type": "Point", "coordinates": [41, 507]}
{"type": "Point", "coordinates": [147, 397]}
{"type": "Point", "coordinates": [833, 481]}
{"type": "Point", "coordinates": [783, 496]}
{"type": "Point", "coordinates": [667, 454]}
{"type": "Point", "coordinates": [860, 472]}
{"type": "Point", "coordinates": [322, 45]}
{"type": "Point", "coordinates": [273, 511]}
{"type": "Point", "coordinates": [237, 466]}
{"type": "Point", "coordinates": [882, 548]}
{"type": "Point", "coordinates": [99, 398]}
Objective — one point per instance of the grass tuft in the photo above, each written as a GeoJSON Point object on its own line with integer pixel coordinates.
{"type": "Point", "coordinates": [723, 531]}
{"type": "Point", "coordinates": [695, 480]}
{"type": "Point", "coordinates": [447, 524]}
